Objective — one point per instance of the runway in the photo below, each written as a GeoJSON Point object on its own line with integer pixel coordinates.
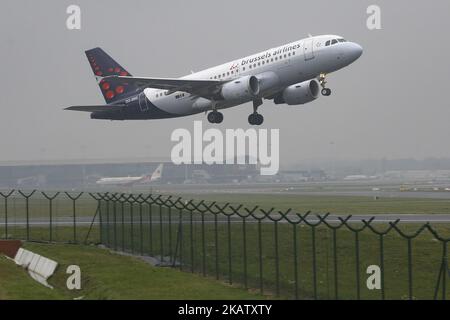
{"type": "Point", "coordinates": [379, 218]}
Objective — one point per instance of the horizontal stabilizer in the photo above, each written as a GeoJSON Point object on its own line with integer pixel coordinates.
{"type": "Point", "coordinates": [114, 107]}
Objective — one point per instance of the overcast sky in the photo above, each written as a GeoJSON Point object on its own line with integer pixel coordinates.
{"type": "Point", "coordinates": [391, 103]}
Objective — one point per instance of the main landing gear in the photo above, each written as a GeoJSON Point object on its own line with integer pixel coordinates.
{"type": "Point", "coordinates": [322, 81]}
{"type": "Point", "coordinates": [255, 118]}
{"type": "Point", "coordinates": [215, 117]}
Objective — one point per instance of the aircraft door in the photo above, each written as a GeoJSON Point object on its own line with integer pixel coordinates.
{"type": "Point", "coordinates": [308, 49]}
{"type": "Point", "coordinates": [143, 102]}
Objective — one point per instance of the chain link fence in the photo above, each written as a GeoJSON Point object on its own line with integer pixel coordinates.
{"type": "Point", "coordinates": [279, 253]}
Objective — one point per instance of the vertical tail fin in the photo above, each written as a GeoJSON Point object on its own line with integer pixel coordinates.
{"type": "Point", "coordinates": [103, 65]}
{"type": "Point", "coordinates": [157, 174]}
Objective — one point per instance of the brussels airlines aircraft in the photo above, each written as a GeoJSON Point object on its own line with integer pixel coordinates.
{"type": "Point", "coordinates": [290, 74]}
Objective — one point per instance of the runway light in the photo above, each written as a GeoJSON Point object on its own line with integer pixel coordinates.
{"type": "Point", "coordinates": [105, 86]}
{"type": "Point", "coordinates": [117, 69]}
{"type": "Point", "coordinates": [99, 73]}
{"type": "Point", "coordinates": [124, 73]}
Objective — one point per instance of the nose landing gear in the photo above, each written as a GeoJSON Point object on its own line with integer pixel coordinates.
{"type": "Point", "coordinates": [255, 119]}
{"type": "Point", "coordinates": [322, 81]}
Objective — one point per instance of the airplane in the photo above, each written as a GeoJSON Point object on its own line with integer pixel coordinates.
{"type": "Point", "coordinates": [290, 74]}
{"type": "Point", "coordinates": [129, 181]}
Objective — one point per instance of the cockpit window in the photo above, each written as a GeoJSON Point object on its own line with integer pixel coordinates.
{"type": "Point", "coordinates": [334, 41]}
{"type": "Point", "coordinates": [342, 40]}
{"type": "Point", "coordinates": [327, 43]}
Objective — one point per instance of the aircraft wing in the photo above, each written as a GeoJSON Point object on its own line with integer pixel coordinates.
{"type": "Point", "coordinates": [204, 88]}
{"type": "Point", "coordinates": [113, 107]}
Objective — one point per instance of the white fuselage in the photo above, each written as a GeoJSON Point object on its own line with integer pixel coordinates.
{"type": "Point", "coordinates": [118, 180]}
{"type": "Point", "coordinates": [292, 63]}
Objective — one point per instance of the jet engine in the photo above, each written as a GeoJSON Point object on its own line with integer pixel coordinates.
{"type": "Point", "coordinates": [244, 88]}
{"type": "Point", "coordinates": [299, 93]}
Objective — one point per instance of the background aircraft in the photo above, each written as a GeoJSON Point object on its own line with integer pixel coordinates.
{"type": "Point", "coordinates": [129, 181]}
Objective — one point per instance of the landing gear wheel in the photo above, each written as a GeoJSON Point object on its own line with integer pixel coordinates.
{"type": "Point", "coordinates": [255, 119]}
{"type": "Point", "coordinates": [219, 117]}
{"type": "Point", "coordinates": [326, 92]}
{"type": "Point", "coordinates": [215, 117]}
{"type": "Point", "coordinates": [322, 81]}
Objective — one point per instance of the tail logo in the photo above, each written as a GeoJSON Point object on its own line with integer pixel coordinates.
{"type": "Point", "coordinates": [103, 65]}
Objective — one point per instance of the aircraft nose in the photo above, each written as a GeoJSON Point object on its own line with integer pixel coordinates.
{"type": "Point", "coordinates": [354, 51]}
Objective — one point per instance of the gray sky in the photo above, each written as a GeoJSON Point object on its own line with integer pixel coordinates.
{"type": "Point", "coordinates": [391, 103]}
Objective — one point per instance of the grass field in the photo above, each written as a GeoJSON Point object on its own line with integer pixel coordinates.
{"type": "Point", "coordinates": [110, 276]}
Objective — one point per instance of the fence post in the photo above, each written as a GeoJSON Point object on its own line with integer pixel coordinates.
{"type": "Point", "coordinates": [446, 270]}
{"type": "Point", "coordinates": [115, 199]}
{"type": "Point", "coordinates": [97, 198]}
{"type": "Point", "coordinates": [141, 200]}
{"type": "Point", "coordinates": [216, 236]}
{"type": "Point", "coordinates": [314, 260]}
{"type": "Point", "coordinates": [74, 199]}
{"type": "Point", "coordinates": [27, 210]}
{"type": "Point", "coordinates": [282, 215]}
{"type": "Point", "coordinates": [383, 294]}
{"type": "Point", "coordinates": [5, 197]}
{"type": "Point", "coordinates": [50, 200]}
{"type": "Point", "coordinates": [131, 201]}
{"type": "Point", "coordinates": [410, 272]}
{"type": "Point", "coordinates": [221, 210]}
{"type": "Point", "coordinates": [191, 231]}
{"type": "Point", "coordinates": [206, 209]}
{"type": "Point", "coordinates": [294, 240]}
{"type": "Point", "coordinates": [357, 262]}
{"type": "Point", "coordinates": [123, 199]}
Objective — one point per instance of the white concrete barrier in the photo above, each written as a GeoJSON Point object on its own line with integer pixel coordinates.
{"type": "Point", "coordinates": [40, 268]}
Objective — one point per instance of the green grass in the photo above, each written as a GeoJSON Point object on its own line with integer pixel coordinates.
{"type": "Point", "coordinates": [15, 283]}
{"type": "Point", "coordinates": [110, 276]}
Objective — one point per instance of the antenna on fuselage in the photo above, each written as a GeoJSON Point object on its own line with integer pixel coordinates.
{"type": "Point", "coordinates": [310, 35]}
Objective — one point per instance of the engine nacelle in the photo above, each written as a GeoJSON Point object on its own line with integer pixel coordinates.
{"type": "Point", "coordinates": [299, 93]}
{"type": "Point", "coordinates": [269, 83]}
{"type": "Point", "coordinates": [244, 88]}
